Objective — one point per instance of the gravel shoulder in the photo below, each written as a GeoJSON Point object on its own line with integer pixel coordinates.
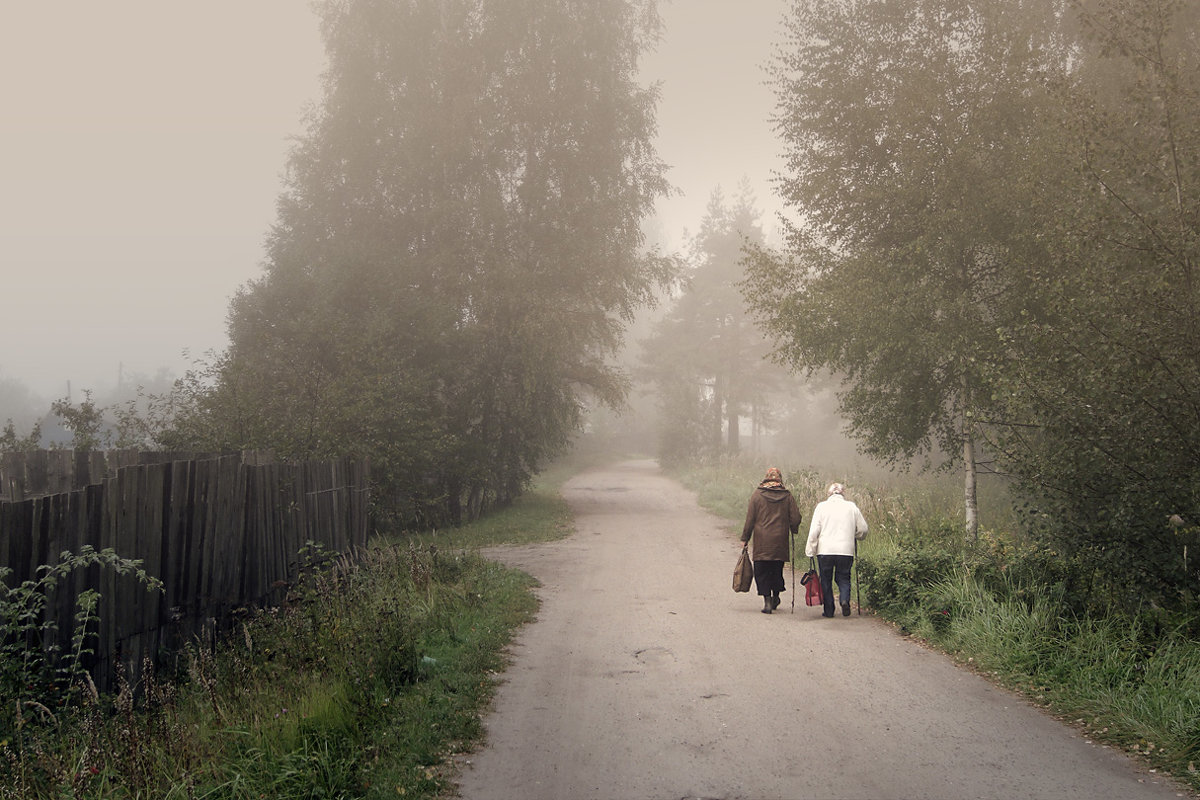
{"type": "Point", "coordinates": [645, 676]}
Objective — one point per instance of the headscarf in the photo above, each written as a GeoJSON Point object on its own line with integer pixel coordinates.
{"type": "Point", "coordinates": [774, 479]}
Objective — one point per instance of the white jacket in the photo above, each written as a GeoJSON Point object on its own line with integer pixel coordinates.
{"type": "Point", "coordinates": [836, 523]}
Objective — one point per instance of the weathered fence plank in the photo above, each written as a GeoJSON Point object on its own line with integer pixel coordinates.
{"type": "Point", "coordinates": [176, 549]}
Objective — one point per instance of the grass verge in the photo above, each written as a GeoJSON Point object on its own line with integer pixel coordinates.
{"type": "Point", "coordinates": [368, 682]}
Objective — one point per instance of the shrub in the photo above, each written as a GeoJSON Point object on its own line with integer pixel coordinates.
{"type": "Point", "coordinates": [900, 579]}
{"type": "Point", "coordinates": [34, 670]}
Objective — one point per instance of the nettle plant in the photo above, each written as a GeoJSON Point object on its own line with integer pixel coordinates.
{"type": "Point", "coordinates": [34, 669]}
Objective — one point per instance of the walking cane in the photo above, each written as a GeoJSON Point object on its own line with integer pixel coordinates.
{"type": "Point", "coordinates": [794, 572]}
{"type": "Point", "coordinates": [857, 591]}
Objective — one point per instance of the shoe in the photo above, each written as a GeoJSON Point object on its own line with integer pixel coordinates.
{"type": "Point", "coordinates": [774, 602]}
{"type": "Point", "coordinates": [823, 614]}
{"type": "Point", "coordinates": [845, 609]}
{"type": "Point", "coordinates": [767, 607]}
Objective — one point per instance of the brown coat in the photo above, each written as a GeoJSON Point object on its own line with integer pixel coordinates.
{"type": "Point", "coordinates": [771, 515]}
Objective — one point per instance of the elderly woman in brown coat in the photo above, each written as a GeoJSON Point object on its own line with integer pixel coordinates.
{"type": "Point", "coordinates": [770, 517]}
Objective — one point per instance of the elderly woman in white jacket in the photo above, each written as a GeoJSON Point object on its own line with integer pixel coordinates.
{"type": "Point", "coordinates": [836, 525]}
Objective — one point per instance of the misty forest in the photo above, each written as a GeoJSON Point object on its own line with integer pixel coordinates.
{"type": "Point", "coordinates": [988, 254]}
{"type": "Point", "coordinates": [986, 266]}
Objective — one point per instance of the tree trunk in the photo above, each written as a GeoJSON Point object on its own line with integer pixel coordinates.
{"type": "Point", "coordinates": [733, 440]}
{"type": "Point", "coordinates": [970, 497]}
{"type": "Point", "coordinates": [755, 428]}
{"type": "Point", "coordinates": [716, 414]}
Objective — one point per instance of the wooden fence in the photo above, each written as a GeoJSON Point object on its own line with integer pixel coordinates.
{"type": "Point", "coordinates": [222, 534]}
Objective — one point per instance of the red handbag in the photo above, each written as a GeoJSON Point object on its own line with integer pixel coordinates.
{"type": "Point", "coordinates": [811, 581]}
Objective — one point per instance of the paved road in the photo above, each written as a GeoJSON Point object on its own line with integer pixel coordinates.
{"type": "Point", "coordinates": [645, 677]}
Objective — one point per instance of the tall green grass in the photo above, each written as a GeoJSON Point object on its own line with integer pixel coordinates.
{"type": "Point", "coordinates": [1004, 607]}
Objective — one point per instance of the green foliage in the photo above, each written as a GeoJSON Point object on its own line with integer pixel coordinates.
{"type": "Point", "coordinates": [537, 516]}
{"type": "Point", "coordinates": [85, 422]}
{"type": "Point", "coordinates": [999, 249]}
{"type": "Point", "coordinates": [907, 580]}
{"type": "Point", "coordinates": [907, 127]}
{"type": "Point", "coordinates": [723, 486]}
{"type": "Point", "coordinates": [133, 428]}
{"type": "Point", "coordinates": [906, 258]}
{"type": "Point", "coordinates": [894, 580]}
{"type": "Point", "coordinates": [10, 442]}
{"type": "Point", "coordinates": [1107, 390]}
{"type": "Point", "coordinates": [892, 502]}
{"type": "Point", "coordinates": [36, 676]}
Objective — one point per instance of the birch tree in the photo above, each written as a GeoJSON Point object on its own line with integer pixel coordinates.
{"type": "Point", "coordinates": [907, 125]}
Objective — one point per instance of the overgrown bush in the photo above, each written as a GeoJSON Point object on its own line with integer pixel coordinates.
{"type": "Point", "coordinates": [901, 579]}
{"type": "Point", "coordinates": [37, 676]}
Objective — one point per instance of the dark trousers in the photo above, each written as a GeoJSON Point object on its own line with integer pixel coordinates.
{"type": "Point", "coordinates": [768, 577]}
{"type": "Point", "coordinates": [831, 568]}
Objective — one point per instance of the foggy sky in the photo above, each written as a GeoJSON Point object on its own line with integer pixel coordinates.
{"type": "Point", "coordinates": [142, 143]}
